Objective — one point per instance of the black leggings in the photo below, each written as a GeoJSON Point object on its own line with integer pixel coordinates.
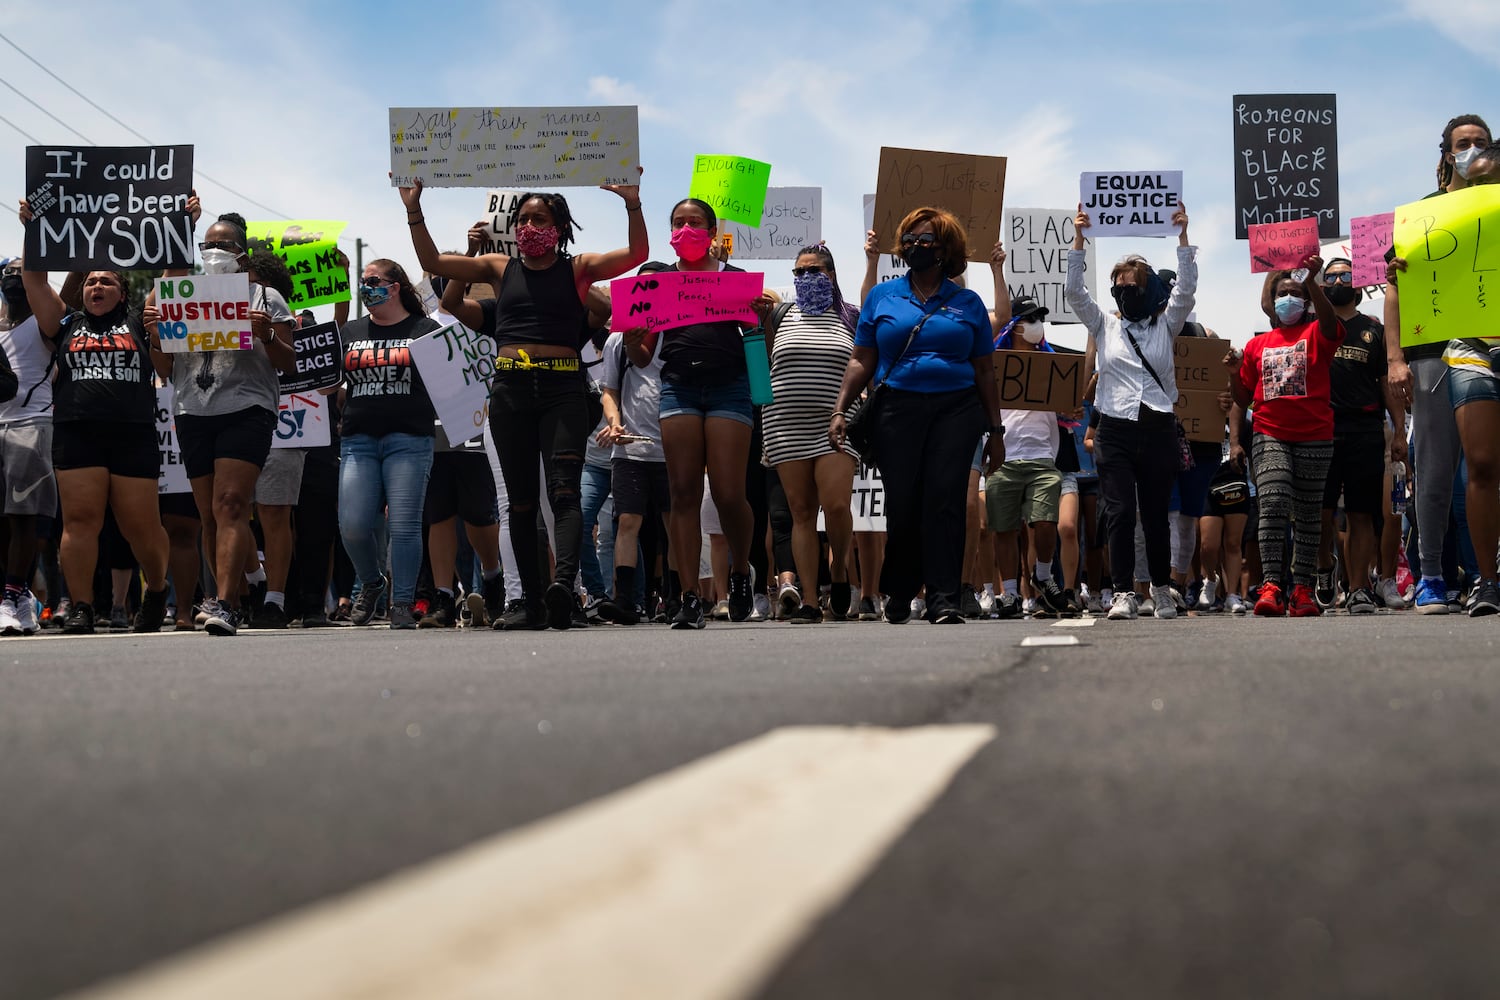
{"type": "Point", "coordinates": [541, 414]}
{"type": "Point", "coordinates": [1137, 461]}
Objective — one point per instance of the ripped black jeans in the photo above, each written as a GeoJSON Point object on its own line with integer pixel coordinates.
{"type": "Point", "coordinates": [540, 418]}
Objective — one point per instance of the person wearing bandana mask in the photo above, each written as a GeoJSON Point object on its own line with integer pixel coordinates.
{"type": "Point", "coordinates": [225, 405]}
{"type": "Point", "coordinates": [928, 341]}
{"type": "Point", "coordinates": [809, 349]}
{"type": "Point", "coordinates": [1135, 447]}
{"type": "Point", "coordinates": [539, 398]}
{"type": "Point", "coordinates": [1417, 376]}
{"type": "Point", "coordinates": [1285, 372]}
{"type": "Point", "coordinates": [1357, 392]}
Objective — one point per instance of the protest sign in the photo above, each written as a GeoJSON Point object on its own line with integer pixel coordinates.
{"type": "Point", "coordinates": [1039, 380]}
{"type": "Point", "coordinates": [310, 248]}
{"type": "Point", "coordinates": [792, 219]}
{"type": "Point", "coordinates": [1286, 161]}
{"type": "Point", "coordinates": [1281, 246]}
{"type": "Point", "coordinates": [867, 502]}
{"type": "Point", "coordinates": [171, 475]}
{"type": "Point", "coordinates": [456, 365]}
{"type": "Point", "coordinates": [1201, 414]}
{"type": "Point", "coordinates": [888, 265]}
{"type": "Point", "coordinates": [513, 147]}
{"type": "Point", "coordinates": [205, 312]}
{"type": "Point", "coordinates": [670, 299]}
{"type": "Point", "coordinates": [117, 207]}
{"type": "Point", "coordinates": [303, 420]}
{"type": "Point", "coordinates": [1137, 203]}
{"type": "Point", "coordinates": [1199, 362]}
{"type": "Point", "coordinates": [1370, 237]}
{"type": "Point", "coordinates": [1452, 248]}
{"type": "Point", "coordinates": [1037, 241]}
{"type": "Point", "coordinates": [319, 359]}
{"type": "Point", "coordinates": [972, 187]}
{"type": "Point", "coordinates": [500, 232]}
{"type": "Point", "coordinates": [734, 186]}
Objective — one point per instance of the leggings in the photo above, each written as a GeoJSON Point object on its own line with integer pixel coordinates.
{"type": "Point", "coordinates": [1289, 479]}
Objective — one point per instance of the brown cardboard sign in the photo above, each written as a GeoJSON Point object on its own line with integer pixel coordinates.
{"type": "Point", "coordinates": [1200, 363]}
{"type": "Point", "coordinates": [970, 186]}
{"type": "Point", "coordinates": [1202, 417]}
{"type": "Point", "coordinates": [1037, 380]}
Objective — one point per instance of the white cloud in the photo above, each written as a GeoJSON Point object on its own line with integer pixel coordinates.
{"type": "Point", "coordinates": [1473, 24]}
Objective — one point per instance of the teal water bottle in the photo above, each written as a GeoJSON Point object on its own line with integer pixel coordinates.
{"type": "Point", "coordinates": [759, 367]}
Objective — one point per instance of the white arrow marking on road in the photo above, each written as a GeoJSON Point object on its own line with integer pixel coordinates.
{"type": "Point", "coordinates": [695, 883]}
{"type": "Point", "coordinates": [1075, 623]}
{"type": "Point", "coordinates": [1050, 640]}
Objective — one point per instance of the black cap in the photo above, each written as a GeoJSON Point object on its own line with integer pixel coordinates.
{"type": "Point", "coordinates": [1026, 307]}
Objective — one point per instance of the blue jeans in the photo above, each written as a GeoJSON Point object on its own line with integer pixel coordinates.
{"type": "Point", "coordinates": [379, 475]}
{"type": "Point", "coordinates": [591, 563]}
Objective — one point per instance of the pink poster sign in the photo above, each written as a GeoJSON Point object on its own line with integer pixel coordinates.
{"type": "Point", "coordinates": [1282, 246]}
{"type": "Point", "coordinates": [668, 299]}
{"type": "Point", "coordinates": [1371, 237]}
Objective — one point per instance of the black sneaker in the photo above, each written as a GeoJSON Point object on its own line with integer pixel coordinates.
{"type": "Point", "coordinates": [1324, 590]}
{"type": "Point", "coordinates": [1074, 608]}
{"type": "Point", "coordinates": [947, 614]}
{"type": "Point", "coordinates": [271, 616]}
{"type": "Point", "coordinates": [968, 602]}
{"type": "Point", "coordinates": [897, 612]}
{"type": "Point", "coordinates": [119, 619]}
{"type": "Point", "coordinates": [317, 618]}
{"type": "Point", "coordinates": [741, 597]}
{"type": "Point", "coordinates": [840, 596]}
{"type": "Point", "coordinates": [402, 617]}
{"type": "Point", "coordinates": [225, 621]}
{"type": "Point", "coordinates": [690, 615]}
{"type": "Point", "coordinates": [80, 620]}
{"type": "Point", "coordinates": [1007, 606]}
{"type": "Point", "coordinates": [618, 612]}
{"type": "Point", "coordinates": [520, 616]}
{"type": "Point", "coordinates": [1486, 600]}
{"type": "Point", "coordinates": [1050, 595]}
{"type": "Point", "coordinates": [363, 611]}
{"type": "Point", "coordinates": [1362, 602]}
{"type": "Point", "coordinates": [494, 597]}
{"type": "Point", "coordinates": [444, 613]}
{"type": "Point", "coordinates": [805, 614]}
{"type": "Point", "coordinates": [560, 604]}
{"type": "Point", "coordinates": [152, 612]}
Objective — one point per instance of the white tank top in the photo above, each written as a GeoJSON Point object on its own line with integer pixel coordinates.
{"type": "Point", "coordinates": [31, 358]}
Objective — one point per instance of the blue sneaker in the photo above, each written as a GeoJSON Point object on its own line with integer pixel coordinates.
{"type": "Point", "coordinates": [1432, 597]}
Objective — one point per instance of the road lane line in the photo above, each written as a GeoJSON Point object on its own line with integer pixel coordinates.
{"type": "Point", "coordinates": [694, 883]}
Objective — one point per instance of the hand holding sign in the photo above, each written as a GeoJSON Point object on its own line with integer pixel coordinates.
{"type": "Point", "coordinates": [1281, 246]}
{"type": "Point", "coordinates": [668, 299]}
{"type": "Point", "coordinates": [630, 192]}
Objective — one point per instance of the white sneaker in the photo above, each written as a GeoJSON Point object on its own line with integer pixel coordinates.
{"type": "Point", "coordinates": [918, 608]}
{"type": "Point", "coordinates": [1123, 607]}
{"type": "Point", "coordinates": [9, 623]}
{"type": "Point", "coordinates": [986, 603]}
{"type": "Point", "coordinates": [1206, 595]}
{"type": "Point", "coordinates": [1235, 604]}
{"type": "Point", "coordinates": [1146, 605]}
{"type": "Point", "coordinates": [1390, 596]}
{"type": "Point", "coordinates": [26, 613]}
{"type": "Point", "coordinates": [1029, 606]}
{"type": "Point", "coordinates": [1161, 596]}
{"type": "Point", "coordinates": [788, 600]}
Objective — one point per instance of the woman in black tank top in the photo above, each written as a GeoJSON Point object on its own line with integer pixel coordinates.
{"type": "Point", "coordinates": [538, 401]}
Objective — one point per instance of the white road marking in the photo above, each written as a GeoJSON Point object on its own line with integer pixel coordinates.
{"type": "Point", "coordinates": [694, 883]}
{"type": "Point", "coordinates": [1050, 640]}
{"type": "Point", "coordinates": [1075, 623]}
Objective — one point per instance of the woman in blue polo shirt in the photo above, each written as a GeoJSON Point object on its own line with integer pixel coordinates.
{"type": "Point", "coordinates": [927, 339]}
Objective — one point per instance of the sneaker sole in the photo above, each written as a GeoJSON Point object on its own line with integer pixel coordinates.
{"type": "Point", "coordinates": [1483, 610]}
{"type": "Point", "coordinates": [688, 626]}
{"type": "Point", "coordinates": [217, 626]}
{"type": "Point", "coordinates": [1433, 609]}
{"type": "Point", "coordinates": [477, 615]}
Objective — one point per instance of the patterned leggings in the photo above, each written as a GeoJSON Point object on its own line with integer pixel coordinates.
{"type": "Point", "coordinates": [1289, 478]}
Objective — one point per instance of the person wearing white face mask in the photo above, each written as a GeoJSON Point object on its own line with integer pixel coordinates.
{"type": "Point", "coordinates": [1286, 373]}
{"type": "Point", "coordinates": [225, 403]}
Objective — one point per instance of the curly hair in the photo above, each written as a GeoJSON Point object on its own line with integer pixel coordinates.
{"type": "Point", "coordinates": [562, 216]}
{"type": "Point", "coordinates": [271, 270]}
{"type": "Point", "coordinates": [1444, 168]}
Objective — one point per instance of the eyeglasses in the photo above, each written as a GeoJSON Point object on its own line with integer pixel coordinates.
{"type": "Point", "coordinates": [221, 245]}
{"type": "Point", "coordinates": [1338, 278]}
{"type": "Point", "coordinates": [802, 272]}
{"type": "Point", "coordinates": [375, 281]}
{"type": "Point", "coordinates": [926, 240]}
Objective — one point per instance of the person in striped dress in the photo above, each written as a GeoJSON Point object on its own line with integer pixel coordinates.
{"type": "Point", "coordinates": [810, 348]}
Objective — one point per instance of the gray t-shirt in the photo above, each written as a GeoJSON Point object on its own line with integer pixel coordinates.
{"type": "Point", "coordinates": [640, 398]}
{"type": "Point", "coordinates": [214, 383]}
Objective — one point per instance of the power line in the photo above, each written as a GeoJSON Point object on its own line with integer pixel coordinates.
{"type": "Point", "coordinates": [20, 130]}
{"type": "Point", "coordinates": [197, 172]}
{"type": "Point", "coordinates": [49, 114]}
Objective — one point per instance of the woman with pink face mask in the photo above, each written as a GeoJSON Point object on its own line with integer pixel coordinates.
{"type": "Point", "coordinates": [539, 398]}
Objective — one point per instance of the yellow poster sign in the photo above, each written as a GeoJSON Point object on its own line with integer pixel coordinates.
{"type": "Point", "coordinates": [1451, 286]}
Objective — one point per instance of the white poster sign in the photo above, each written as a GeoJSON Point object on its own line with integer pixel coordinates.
{"type": "Point", "coordinates": [303, 420]}
{"type": "Point", "coordinates": [791, 220]}
{"type": "Point", "coordinates": [1131, 203]}
{"type": "Point", "coordinates": [457, 365]}
{"type": "Point", "coordinates": [1037, 241]}
{"type": "Point", "coordinates": [515, 147]}
{"type": "Point", "coordinates": [171, 476]}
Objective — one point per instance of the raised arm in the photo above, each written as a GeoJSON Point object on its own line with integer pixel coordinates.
{"type": "Point", "coordinates": [1180, 303]}
{"type": "Point", "coordinates": [46, 305]}
{"type": "Point", "coordinates": [1328, 320]}
{"type": "Point", "coordinates": [592, 267]}
{"type": "Point", "coordinates": [1000, 315]}
{"type": "Point", "coordinates": [449, 265]}
{"type": "Point", "coordinates": [872, 265]}
{"type": "Point", "coordinates": [1079, 299]}
{"type": "Point", "coordinates": [341, 309]}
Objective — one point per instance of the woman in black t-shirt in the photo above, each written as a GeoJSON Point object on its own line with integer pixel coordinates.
{"type": "Point", "coordinates": [104, 447]}
{"type": "Point", "coordinates": [385, 450]}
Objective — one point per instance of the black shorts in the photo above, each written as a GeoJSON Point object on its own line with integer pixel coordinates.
{"type": "Point", "coordinates": [244, 435]}
{"type": "Point", "coordinates": [640, 487]}
{"type": "Point", "coordinates": [1229, 493]}
{"type": "Point", "coordinates": [461, 485]}
{"type": "Point", "coordinates": [1357, 471]}
{"type": "Point", "coordinates": [123, 449]}
{"type": "Point", "coordinates": [179, 505]}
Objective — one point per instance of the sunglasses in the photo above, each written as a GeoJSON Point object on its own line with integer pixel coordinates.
{"type": "Point", "coordinates": [802, 272]}
{"type": "Point", "coordinates": [926, 240]}
{"type": "Point", "coordinates": [1341, 278]}
{"type": "Point", "coordinates": [374, 281]}
{"type": "Point", "coordinates": [221, 245]}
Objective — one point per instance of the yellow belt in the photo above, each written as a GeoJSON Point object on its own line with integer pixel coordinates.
{"type": "Point", "coordinates": [525, 361]}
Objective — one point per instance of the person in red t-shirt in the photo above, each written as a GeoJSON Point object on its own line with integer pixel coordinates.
{"type": "Point", "coordinates": [1284, 372]}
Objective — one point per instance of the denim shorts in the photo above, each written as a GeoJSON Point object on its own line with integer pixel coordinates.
{"type": "Point", "coordinates": [1471, 384]}
{"type": "Point", "coordinates": [729, 402]}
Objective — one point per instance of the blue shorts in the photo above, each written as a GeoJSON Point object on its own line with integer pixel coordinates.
{"type": "Point", "coordinates": [728, 402]}
{"type": "Point", "coordinates": [1469, 384]}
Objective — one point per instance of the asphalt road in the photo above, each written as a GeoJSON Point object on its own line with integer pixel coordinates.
{"type": "Point", "coordinates": [1200, 808]}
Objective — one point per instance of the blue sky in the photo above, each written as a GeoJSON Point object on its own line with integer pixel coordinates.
{"type": "Point", "coordinates": [286, 103]}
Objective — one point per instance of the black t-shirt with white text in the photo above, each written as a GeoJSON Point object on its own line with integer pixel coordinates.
{"type": "Point", "coordinates": [385, 394]}
{"type": "Point", "coordinates": [1354, 376]}
{"type": "Point", "coordinates": [103, 370]}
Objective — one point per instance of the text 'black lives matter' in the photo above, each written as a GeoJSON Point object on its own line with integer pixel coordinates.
{"type": "Point", "coordinates": [121, 208]}
{"type": "Point", "coordinates": [1286, 161]}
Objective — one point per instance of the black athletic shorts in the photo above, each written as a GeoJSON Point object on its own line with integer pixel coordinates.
{"type": "Point", "coordinates": [179, 505]}
{"type": "Point", "coordinates": [1228, 493]}
{"type": "Point", "coordinates": [1357, 471]}
{"type": "Point", "coordinates": [244, 435]}
{"type": "Point", "coordinates": [124, 449]}
{"type": "Point", "coordinates": [639, 487]}
{"type": "Point", "coordinates": [461, 485]}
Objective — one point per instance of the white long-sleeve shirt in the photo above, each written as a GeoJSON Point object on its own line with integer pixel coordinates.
{"type": "Point", "coordinates": [1124, 383]}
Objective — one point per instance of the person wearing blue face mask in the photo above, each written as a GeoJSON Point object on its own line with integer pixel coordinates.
{"type": "Point", "coordinates": [810, 348]}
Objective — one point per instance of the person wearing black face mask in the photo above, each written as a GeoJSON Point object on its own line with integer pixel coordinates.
{"type": "Point", "coordinates": [1358, 393]}
{"type": "Point", "coordinates": [1136, 445]}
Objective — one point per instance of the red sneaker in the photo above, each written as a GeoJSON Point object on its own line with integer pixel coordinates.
{"type": "Point", "coordinates": [420, 607]}
{"type": "Point", "coordinates": [1303, 605]}
{"type": "Point", "coordinates": [1271, 604]}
